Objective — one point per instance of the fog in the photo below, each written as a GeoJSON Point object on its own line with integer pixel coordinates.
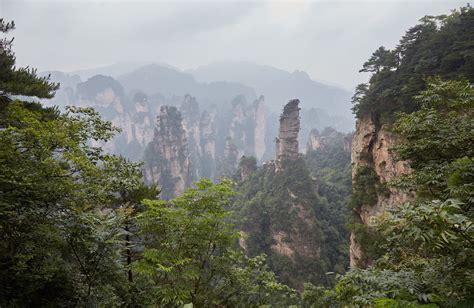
{"type": "Point", "coordinates": [327, 39]}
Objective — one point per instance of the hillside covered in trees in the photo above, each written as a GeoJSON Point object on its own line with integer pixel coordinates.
{"type": "Point", "coordinates": [381, 217]}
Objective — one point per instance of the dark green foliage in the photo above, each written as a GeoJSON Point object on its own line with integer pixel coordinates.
{"type": "Point", "coordinates": [19, 81]}
{"type": "Point", "coordinates": [330, 165]}
{"type": "Point", "coordinates": [59, 243]}
{"type": "Point", "coordinates": [440, 45]}
{"type": "Point", "coordinates": [367, 238]}
{"type": "Point", "coordinates": [70, 216]}
{"type": "Point", "coordinates": [266, 201]}
{"type": "Point", "coordinates": [191, 255]}
{"type": "Point", "coordinates": [366, 188]}
{"type": "Point", "coordinates": [425, 247]}
{"type": "Point", "coordinates": [440, 141]}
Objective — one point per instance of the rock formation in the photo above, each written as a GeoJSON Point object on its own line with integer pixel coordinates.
{"type": "Point", "coordinates": [260, 120]}
{"type": "Point", "coordinates": [142, 122]}
{"type": "Point", "coordinates": [315, 140]}
{"type": "Point", "coordinates": [207, 145]}
{"type": "Point", "coordinates": [241, 127]}
{"type": "Point", "coordinates": [228, 162]}
{"type": "Point", "coordinates": [247, 166]}
{"type": "Point", "coordinates": [280, 207]}
{"type": "Point", "coordinates": [166, 157]}
{"type": "Point", "coordinates": [133, 116]}
{"type": "Point", "coordinates": [321, 140]}
{"type": "Point", "coordinates": [372, 148]}
{"type": "Point", "coordinates": [287, 140]}
{"type": "Point", "coordinates": [191, 123]}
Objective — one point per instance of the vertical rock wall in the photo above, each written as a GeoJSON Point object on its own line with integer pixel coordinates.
{"type": "Point", "coordinates": [260, 120]}
{"type": "Point", "coordinates": [287, 140]}
{"type": "Point", "coordinates": [167, 158]}
{"type": "Point", "coordinates": [207, 145]}
{"type": "Point", "coordinates": [372, 146]}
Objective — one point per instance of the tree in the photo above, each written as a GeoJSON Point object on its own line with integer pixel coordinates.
{"type": "Point", "coordinates": [19, 81]}
{"type": "Point", "coordinates": [61, 218]}
{"type": "Point", "coordinates": [191, 254]}
{"type": "Point", "coordinates": [381, 59]}
{"type": "Point", "coordinates": [440, 141]}
{"type": "Point", "coordinates": [427, 244]}
{"type": "Point", "coordinates": [60, 239]}
{"type": "Point", "coordinates": [438, 45]}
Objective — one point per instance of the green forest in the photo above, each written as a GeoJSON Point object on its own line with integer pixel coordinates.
{"type": "Point", "coordinates": [79, 227]}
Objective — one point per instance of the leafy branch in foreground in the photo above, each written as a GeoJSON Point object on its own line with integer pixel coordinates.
{"type": "Point", "coordinates": [191, 254]}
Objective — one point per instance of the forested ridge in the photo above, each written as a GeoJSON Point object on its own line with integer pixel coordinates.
{"type": "Point", "coordinates": [420, 250]}
{"type": "Point", "coordinates": [78, 226]}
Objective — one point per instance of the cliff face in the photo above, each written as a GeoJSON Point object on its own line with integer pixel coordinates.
{"type": "Point", "coordinates": [242, 125]}
{"type": "Point", "coordinates": [372, 148]}
{"type": "Point", "coordinates": [280, 208]}
{"type": "Point", "coordinates": [216, 136]}
{"type": "Point", "coordinates": [142, 120]}
{"type": "Point", "coordinates": [207, 144]}
{"type": "Point", "coordinates": [260, 120]}
{"type": "Point", "coordinates": [246, 134]}
{"type": "Point", "coordinates": [133, 117]}
{"type": "Point", "coordinates": [321, 140]}
{"type": "Point", "coordinates": [166, 157]}
{"type": "Point", "coordinates": [191, 123]}
{"type": "Point", "coordinates": [287, 141]}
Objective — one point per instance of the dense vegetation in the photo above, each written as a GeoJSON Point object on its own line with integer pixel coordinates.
{"type": "Point", "coordinates": [427, 244]}
{"type": "Point", "coordinates": [319, 186]}
{"type": "Point", "coordinates": [79, 228]}
{"type": "Point", "coordinates": [75, 229]}
{"type": "Point", "coordinates": [421, 251]}
{"type": "Point", "coordinates": [438, 45]}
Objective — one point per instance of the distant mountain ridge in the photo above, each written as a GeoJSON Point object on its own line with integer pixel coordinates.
{"type": "Point", "coordinates": [279, 86]}
{"type": "Point", "coordinates": [122, 91]}
{"type": "Point", "coordinates": [155, 78]}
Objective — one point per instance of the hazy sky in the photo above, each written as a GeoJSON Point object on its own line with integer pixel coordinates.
{"type": "Point", "coordinates": [328, 39]}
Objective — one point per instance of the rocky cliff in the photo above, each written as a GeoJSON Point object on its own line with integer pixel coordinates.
{"type": "Point", "coordinates": [207, 149]}
{"type": "Point", "coordinates": [374, 165]}
{"type": "Point", "coordinates": [287, 141]}
{"type": "Point", "coordinates": [260, 131]}
{"type": "Point", "coordinates": [281, 211]}
{"type": "Point", "coordinates": [191, 123]}
{"type": "Point", "coordinates": [167, 160]}
{"type": "Point", "coordinates": [321, 140]}
{"type": "Point", "coordinates": [133, 116]}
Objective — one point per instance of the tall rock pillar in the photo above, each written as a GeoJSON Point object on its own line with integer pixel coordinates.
{"type": "Point", "coordinates": [287, 140]}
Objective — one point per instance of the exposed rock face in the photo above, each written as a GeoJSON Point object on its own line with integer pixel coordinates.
{"type": "Point", "coordinates": [297, 241]}
{"type": "Point", "coordinates": [106, 95]}
{"type": "Point", "coordinates": [347, 143]}
{"type": "Point", "coordinates": [135, 112]}
{"type": "Point", "coordinates": [132, 116]}
{"type": "Point", "coordinates": [324, 139]}
{"type": "Point", "coordinates": [315, 140]}
{"type": "Point", "coordinates": [228, 163]}
{"type": "Point", "coordinates": [207, 139]}
{"type": "Point", "coordinates": [281, 220]}
{"type": "Point", "coordinates": [287, 141]}
{"type": "Point", "coordinates": [247, 166]}
{"type": "Point", "coordinates": [260, 120]}
{"type": "Point", "coordinates": [142, 120]}
{"type": "Point", "coordinates": [372, 147]}
{"type": "Point", "coordinates": [167, 158]}
{"type": "Point", "coordinates": [191, 124]}
{"type": "Point", "coordinates": [241, 127]}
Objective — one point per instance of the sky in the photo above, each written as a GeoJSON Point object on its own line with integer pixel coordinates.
{"type": "Point", "coordinates": [330, 40]}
